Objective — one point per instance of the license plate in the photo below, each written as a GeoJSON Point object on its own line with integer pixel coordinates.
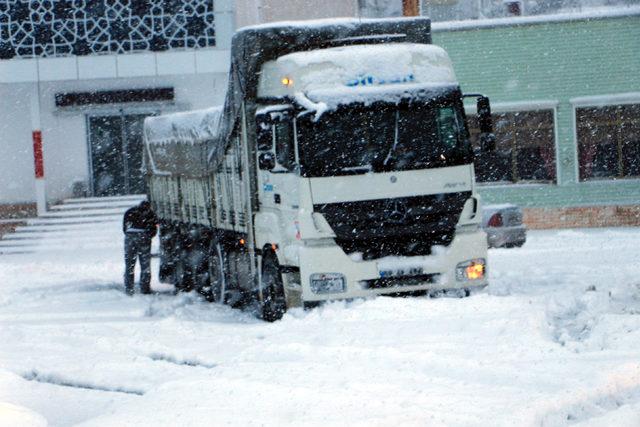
{"type": "Point", "coordinates": [402, 272]}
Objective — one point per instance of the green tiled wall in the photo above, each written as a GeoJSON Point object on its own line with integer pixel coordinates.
{"type": "Point", "coordinates": [552, 61]}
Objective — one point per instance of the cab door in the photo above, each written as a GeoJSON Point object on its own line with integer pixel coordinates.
{"type": "Point", "coordinates": [277, 161]}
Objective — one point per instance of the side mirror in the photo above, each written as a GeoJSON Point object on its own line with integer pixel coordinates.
{"type": "Point", "coordinates": [264, 134]}
{"type": "Point", "coordinates": [487, 138]}
{"type": "Point", "coordinates": [267, 161]}
{"type": "Point", "coordinates": [487, 142]}
{"type": "Point", "coordinates": [264, 127]}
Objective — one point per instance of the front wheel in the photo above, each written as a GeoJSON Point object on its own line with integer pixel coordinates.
{"type": "Point", "coordinates": [274, 303]}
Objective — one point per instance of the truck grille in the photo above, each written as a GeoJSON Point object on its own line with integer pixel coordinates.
{"type": "Point", "coordinates": [406, 226]}
{"type": "Point", "coordinates": [392, 282]}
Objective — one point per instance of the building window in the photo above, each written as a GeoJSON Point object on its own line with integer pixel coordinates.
{"type": "Point", "coordinates": [455, 10]}
{"type": "Point", "coordinates": [45, 28]}
{"type": "Point", "coordinates": [608, 141]}
{"type": "Point", "coordinates": [525, 148]}
{"type": "Point", "coordinates": [380, 8]}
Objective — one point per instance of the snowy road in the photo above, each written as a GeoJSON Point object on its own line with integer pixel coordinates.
{"type": "Point", "coordinates": [555, 340]}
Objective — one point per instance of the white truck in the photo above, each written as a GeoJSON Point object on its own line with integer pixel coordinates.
{"type": "Point", "coordinates": [339, 167]}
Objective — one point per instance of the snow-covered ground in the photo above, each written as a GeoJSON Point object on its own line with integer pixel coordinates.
{"type": "Point", "coordinates": [554, 340]}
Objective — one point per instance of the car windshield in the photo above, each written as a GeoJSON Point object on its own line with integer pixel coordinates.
{"type": "Point", "coordinates": [379, 137]}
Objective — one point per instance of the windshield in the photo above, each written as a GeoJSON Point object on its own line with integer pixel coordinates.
{"type": "Point", "coordinates": [384, 137]}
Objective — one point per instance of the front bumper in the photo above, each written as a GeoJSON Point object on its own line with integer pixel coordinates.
{"type": "Point", "coordinates": [437, 270]}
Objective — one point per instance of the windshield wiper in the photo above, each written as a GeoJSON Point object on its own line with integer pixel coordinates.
{"type": "Point", "coordinates": [395, 142]}
{"type": "Point", "coordinates": [357, 169]}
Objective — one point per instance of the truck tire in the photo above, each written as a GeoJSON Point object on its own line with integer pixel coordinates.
{"type": "Point", "coordinates": [274, 303]}
{"type": "Point", "coordinates": [167, 254]}
{"type": "Point", "coordinates": [183, 274]}
{"type": "Point", "coordinates": [237, 267]}
{"type": "Point", "coordinates": [216, 273]}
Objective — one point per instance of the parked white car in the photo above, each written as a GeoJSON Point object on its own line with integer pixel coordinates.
{"type": "Point", "coordinates": [503, 225]}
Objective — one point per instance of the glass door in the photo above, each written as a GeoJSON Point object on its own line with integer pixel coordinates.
{"type": "Point", "coordinates": [116, 147]}
{"type": "Point", "coordinates": [134, 146]}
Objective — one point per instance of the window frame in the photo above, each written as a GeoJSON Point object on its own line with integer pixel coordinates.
{"type": "Point", "coordinates": [598, 101]}
{"type": "Point", "coordinates": [525, 106]}
{"type": "Point", "coordinates": [275, 147]}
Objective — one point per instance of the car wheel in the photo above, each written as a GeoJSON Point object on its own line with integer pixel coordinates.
{"type": "Point", "coordinates": [274, 303]}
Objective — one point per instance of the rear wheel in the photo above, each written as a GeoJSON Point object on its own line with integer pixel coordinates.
{"type": "Point", "coordinates": [183, 273]}
{"type": "Point", "coordinates": [274, 303]}
{"type": "Point", "coordinates": [217, 274]}
{"type": "Point", "coordinates": [168, 253]}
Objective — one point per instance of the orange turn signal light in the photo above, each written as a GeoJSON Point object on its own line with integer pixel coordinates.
{"type": "Point", "coordinates": [475, 271]}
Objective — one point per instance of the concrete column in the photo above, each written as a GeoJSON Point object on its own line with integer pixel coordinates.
{"type": "Point", "coordinates": [225, 17]}
{"type": "Point", "coordinates": [411, 7]}
{"type": "Point", "coordinates": [38, 153]}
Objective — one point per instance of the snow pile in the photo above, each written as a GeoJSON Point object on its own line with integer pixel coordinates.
{"type": "Point", "coordinates": [554, 341]}
{"type": "Point", "coordinates": [320, 23]}
{"type": "Point", "coordinates": [187, 127]}
{"type": "Point", "coordinates": [17, 416]}
{"type": "Point", "coordinates": [318, 108]}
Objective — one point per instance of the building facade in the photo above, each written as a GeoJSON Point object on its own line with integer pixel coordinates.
{"type": "Point", "coordinates": [77, 78]}
{"type": "Point", "coordinates": [565, 93]}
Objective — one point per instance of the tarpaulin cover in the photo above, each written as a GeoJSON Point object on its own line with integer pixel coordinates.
{"type": "Point", "coordinates": [251, 47]}
{"type": "Point", "coordinates": [177, 144]}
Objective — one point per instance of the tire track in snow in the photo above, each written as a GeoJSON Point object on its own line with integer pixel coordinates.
{"type": "Point", "coordinates": [599, 404]}
{"type": "Point", "coordinates": [159, 357]}
{"type": "Point", "coordinates": [572, 317]}
{"type": "Point", "coordinates": [63, 382]}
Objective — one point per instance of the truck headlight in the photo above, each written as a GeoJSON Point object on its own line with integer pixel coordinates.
{"type": "Point", "coordinates": [327, 283]}
{"type": "Point", "coordinates": [474, 269]}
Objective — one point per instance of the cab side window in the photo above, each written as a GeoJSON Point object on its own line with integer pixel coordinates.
{"type": "Point", "coordinates": [285, 154]}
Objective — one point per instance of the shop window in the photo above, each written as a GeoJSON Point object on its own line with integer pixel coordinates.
{"type": "Point", "coordinates": [525, 148]}
{"type": "Point", "coordinates": [608, 141]}
{"type": "Point", "coordinates": [379, 8]}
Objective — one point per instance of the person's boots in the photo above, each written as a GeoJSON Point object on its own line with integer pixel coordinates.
{"type": "Point", "coordinates": [145, 282]}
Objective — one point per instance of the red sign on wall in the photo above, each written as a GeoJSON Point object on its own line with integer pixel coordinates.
{"type": "Point", "coordinates": [37, 153]}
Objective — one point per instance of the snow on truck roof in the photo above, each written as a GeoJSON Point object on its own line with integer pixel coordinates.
{"type": "Point", "coordinates": [355, 68]}
{"type": "Point", "coordinates": [190, 126]}
{"type": "Point", "coordinates": [323, 23]}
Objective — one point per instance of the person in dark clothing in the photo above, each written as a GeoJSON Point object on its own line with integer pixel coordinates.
{"type": "Point", "coordinates": [139, 227]}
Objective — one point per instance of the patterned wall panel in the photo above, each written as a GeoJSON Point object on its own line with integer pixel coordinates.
{"type": "Point", "coordinates": [45, 28]}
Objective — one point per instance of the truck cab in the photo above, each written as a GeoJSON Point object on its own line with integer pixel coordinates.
{"type": "Point", "coordinates": [366, 182]}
